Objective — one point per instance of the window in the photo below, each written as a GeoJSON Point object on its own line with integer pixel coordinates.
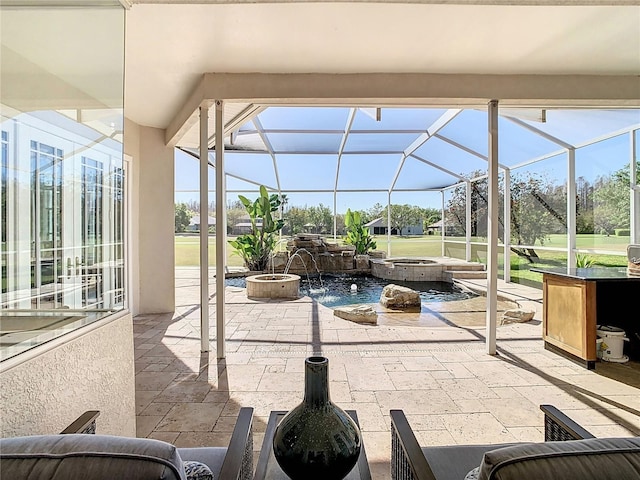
{"type": "Point", "coordinates": [62, 180]}
{"type": "Point", "coordinates": [46, 221]}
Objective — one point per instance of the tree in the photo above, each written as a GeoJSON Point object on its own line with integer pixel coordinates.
{"type": "Point", "coordinates": [296, 219]}
{"type": "Point", "coordinates": [584, 221]}
{"type": "Point", "coordinates": [538, 208]}
{"type": "Point", "coordinates": [234, 215]}
{"type": "Point", "coordinates": [430, 216]}
{"type": "Point", "coordinates": [284, 201]}
{"type": "Point", "coordinates": [584, 206]}
{"type": "Point", "coordinates": [183, 217]}
{"type": "Point", "coordinates": [404, 216]}
{"type": "Point", "coordinates": [340, 226]}
{"type": "Point", "coordinates": [374, 212]}
{"type": "Point", "coordinates": [321, 217]}
{"type": "Point", "coordinates": [611, 205]}
{"type": "Point", "coordinates": [234, 204]}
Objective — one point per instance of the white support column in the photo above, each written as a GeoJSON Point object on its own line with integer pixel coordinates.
{"type": "Point", "coordinates": [221, 231]}
{"type": "Point", "coordinates": [467, 250]}
{"type": "Point", "coordinates": [389, 224]}
{"type": "Point", "coordinates": [507, 225]}
{"type": "Point", "coordinates": [442, 227]}
{"type": "Point", "coordinates": [571, 208]}
{"type": "Point", "coordinates": [635, 189]}
{"type": "Point", "coordinates": [335, 216]}
{"type": "Point", "coordinates": [204, 229]}
{"type": "Point", "coordinates": [492, 230]}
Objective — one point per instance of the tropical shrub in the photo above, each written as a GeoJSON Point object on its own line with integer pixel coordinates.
{"type": "Point", "coordinates": [584, 261]}
{"type": "Point", "coordinates": [357, 234]}
{"type": "Point", "coordinates": [256, 247]}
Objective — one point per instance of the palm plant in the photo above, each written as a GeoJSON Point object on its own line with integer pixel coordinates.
{"type": "Point", "coordinates": [357, 234]}
{"type": "Point", "coordinates": [256, 247]}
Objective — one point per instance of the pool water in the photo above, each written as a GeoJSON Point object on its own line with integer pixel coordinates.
{"type": "Point", "coordinates": [336, 291]}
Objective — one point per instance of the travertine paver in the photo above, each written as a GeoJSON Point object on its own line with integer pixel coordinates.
{"type": "Point", "coordinates": [441, 376]}
{"type": "Point", "coordinates": [192, 417]}
{"type": "Point", "coordinates": [482, 427]}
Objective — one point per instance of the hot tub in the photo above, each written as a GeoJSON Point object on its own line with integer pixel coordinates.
{"type": "Point", "coordinates": [408, 269]}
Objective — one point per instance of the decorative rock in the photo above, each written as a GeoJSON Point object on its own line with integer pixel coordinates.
{"type": "Point", "coordinates": [338, 249]}
{"type": "Point", "coordinates": [357, 314]}
{"type": "Point", "coordinates": [517, 315]}
{"type": "Point", "coordinates": [396, 296]}
{"type": "Point", "coordinates": [362, 262]}
{"type": "Point", "coordinates": [278, 262]}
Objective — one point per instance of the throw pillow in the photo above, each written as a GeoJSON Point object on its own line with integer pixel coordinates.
{"type": "Point", "coordinates": [197, 471]}
{"type": "Point", "coordinates": [473, 474]}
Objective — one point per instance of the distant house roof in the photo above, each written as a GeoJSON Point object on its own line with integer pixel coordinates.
{"type": "Point", "coordinates": [438, 224]}
{"type": "Point", "coordinates": [195, 220]}
{"type": "Point", "coordinates": [378, 222]}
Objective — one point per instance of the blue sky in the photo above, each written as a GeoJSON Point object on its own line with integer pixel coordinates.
{"type": "Point", "coordinates": [373, 153]}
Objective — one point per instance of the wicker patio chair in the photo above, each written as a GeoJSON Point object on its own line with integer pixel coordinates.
{"type": "Point", "coordinates": [102, 457]}
{"type": "Point", "coordinates": [410, 461]}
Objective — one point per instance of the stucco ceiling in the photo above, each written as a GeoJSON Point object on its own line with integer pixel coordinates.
{"type": "Point", "coordinates": [170, 45]}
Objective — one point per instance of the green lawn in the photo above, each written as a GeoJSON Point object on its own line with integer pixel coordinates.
{"type": "Point", "coordinates": [187, 248]}
{"type": "Point", "coordinates": [520, 266]}
{"type": "Point", "coordinates": [520, 272]}
{"type": "Point", "coordinates": [596, 242]}
{"type": "Point", "coordinates": [188, 254]}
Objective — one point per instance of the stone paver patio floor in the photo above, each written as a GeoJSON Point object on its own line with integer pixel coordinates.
{"type": "Point", "coordinates": [451, 390]}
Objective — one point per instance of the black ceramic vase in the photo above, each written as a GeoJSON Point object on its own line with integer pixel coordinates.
{"type": "Point", "coordinates": [317, 439]}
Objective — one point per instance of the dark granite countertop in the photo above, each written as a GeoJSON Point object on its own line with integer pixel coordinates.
{"type": "Point", "coordinates": [592, 273]}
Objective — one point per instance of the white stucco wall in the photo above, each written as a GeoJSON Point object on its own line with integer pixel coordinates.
{"type": "Point", "coordinates": [153, 219]}
{"type": "Point", "coordinates": [90, 369]}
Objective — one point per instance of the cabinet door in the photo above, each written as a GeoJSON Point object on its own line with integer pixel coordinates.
{"type": "Point", "coordinates": [570, 316]}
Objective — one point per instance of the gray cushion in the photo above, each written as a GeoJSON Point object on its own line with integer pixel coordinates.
{"type": "Point", "coordinates": [453, 462]}
{"type": "Point", "coordinates": [591, 459]}
{"type": "Point", "coordinates": [90, 457]}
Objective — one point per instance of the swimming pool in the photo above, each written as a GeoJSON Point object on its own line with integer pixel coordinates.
{"type": "Point", "coordinates": [336, 290]}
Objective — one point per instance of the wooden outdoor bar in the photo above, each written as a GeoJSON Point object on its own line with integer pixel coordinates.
{"type": "Point", "coordinates": [577, 300]}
